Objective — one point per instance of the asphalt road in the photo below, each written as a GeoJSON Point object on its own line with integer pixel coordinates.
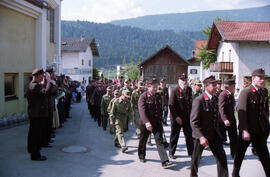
{"type": "Point", "coordinates": [101, 158]}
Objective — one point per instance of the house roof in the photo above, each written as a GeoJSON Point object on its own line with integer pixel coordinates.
{"type": "Point", "coordinates": [39, 3]}
{"type": "Point", "coordinates": [193, 61]}
{"type": "Point", "coordinates": [238, 31]}
{"type": "Point", "coordinates": [79, 45]}
{"type": "Point", "coordinates": [198, 45]}
{"type": "Point", "coordinates": [167, 47]}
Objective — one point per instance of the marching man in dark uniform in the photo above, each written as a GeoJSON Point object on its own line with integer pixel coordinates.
{"type": "Point", "coordinates": [180, 103]}
{"type": "Point", "coordinates": [226, 105]}
{"type": "Point", "coordinates": [165, 95]}
{"type": "Point", "coordinates": [253, 113]}
{"type": "Point", "coordinates": [204, 119]}
{"type": "Point", "coordinates": [38, 111]}
{"type": "Point", "coordinates": [150, 109]}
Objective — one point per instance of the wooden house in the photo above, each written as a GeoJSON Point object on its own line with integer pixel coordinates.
{"type": "Point", "coordinates": [166, 63]}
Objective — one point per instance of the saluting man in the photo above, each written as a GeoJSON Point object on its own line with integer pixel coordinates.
{"type": "Point", "coordinates": [204, 122]}
{"type": "Point", "coordinates": [253, 114]}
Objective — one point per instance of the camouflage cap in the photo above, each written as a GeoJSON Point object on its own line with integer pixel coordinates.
{"type": "Point", "coordinates": [126, 93]}
{"type": "Point", "coordinates": [109, 88]}
{"type": "Point", "coordinates": [197, 82]}
{"type": "Point", "coordinates": [116, 92]}
{"type": "Point", "coordinates": [140, 84]}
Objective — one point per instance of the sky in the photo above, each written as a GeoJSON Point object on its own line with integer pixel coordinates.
{"type": "Point", "coordinates": [102, 11]}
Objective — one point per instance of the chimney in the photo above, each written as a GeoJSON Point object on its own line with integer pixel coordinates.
{"type": "Point", "coordinates": [193, 53]}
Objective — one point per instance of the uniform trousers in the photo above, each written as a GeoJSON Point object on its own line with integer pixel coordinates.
{"type": "Point", "coordinates": [157, 131]}
{"type": "Point", "coordinates": [119, 135]}
{"type": "Point", "coordinates": [216, 146]}
{"type": "Point", "coordinates": [136, 120]}
{"type": "Point", "coordinates": [232, 132]}
{"type": "Point", "coordinates": [175, 131]}
{"type": "Point", "coordinates": [35, 136]}
{"type": "Point", "coordinates": [259, 142]}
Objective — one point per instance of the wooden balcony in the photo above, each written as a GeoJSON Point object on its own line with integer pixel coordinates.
{"type": "Point", "coordinates": [222, 67]}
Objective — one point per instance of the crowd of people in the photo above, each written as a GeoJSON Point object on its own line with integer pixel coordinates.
{"type": "Point", "coordinates": [49, 101]}
{"type": "Point", "coordinates": [204, 111]}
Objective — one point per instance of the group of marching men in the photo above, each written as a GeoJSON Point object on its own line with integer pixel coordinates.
{"type": "Point", "coordinates": [204, 115]}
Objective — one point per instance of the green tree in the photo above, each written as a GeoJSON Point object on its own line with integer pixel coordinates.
{"type": "Point", "coordinates": [140, 60]}
{"type": "Point", "coordinates": [132, 60]}
{"type": "Point", "coordinates": [132, 72]}
{"type": "Point", "coordinates": [95, 73]}
{"type": "Point", "coordinates": [206, 56]}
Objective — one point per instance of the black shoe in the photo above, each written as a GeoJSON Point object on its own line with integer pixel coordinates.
{"type": "Point", "coordinates": [150, 144]}
{"type": "Point", "coordinates": [111, 132]}
{"type": "Point", "coordinates": [117, 145]}
{"type": "Point", "coordinates": [172, 156]}
{"type": "Point", "coordinates": [51, 141]}
{"type": "Point", "coordinates": [47, 146]}
{"type": "Point", "coordinates": [166, 145]}
{"type": "Point", "coordinates": [41, 158]}
{"type": "Point", "coordinates": [124, 149]}
{"type": "Point", "coordinates": [52, 136]}
{"type": "Point", "coordinates": [104, 128]}
{"type": "Point", "coordinates": [167, 164]}
{"type": "Point", "coordinates": [142, 160]}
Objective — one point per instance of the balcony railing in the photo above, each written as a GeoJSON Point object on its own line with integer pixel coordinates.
{"type": "Point", "coordinates": [221, 67]}
{"type": "Point", "coordinates": [76, 71]}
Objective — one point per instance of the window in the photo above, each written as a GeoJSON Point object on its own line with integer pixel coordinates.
{"type": "Point", "coordinates": [50, 18]}
{"type": "Point", "coordinates": [222, 56]}
{"type": "Point", "coordinates": [27, 79]}
{"type": "Point", "coordinates": [10, 86]}
{"type": "Point", "coordinates": [82, 62]}
{"type": "Point", "coordinates": [89, 63]}
{"type": "Point", "coordinates": [193, 71]}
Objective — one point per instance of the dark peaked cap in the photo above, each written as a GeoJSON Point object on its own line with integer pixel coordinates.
{"type": "Point", "coordinates": [229, 82]}
{"type": "Point", "coordinates": [37, 71]}
{"type": "Point", "coordinates": [258, 72]}
{"type": "Point", "coordinates": [209, 80]}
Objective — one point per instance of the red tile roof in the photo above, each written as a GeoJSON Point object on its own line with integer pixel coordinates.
{"type": "Point", "coordinates": [244, 31]}
{"type": "Point", "coordinates": [198, 45]}
{"type": "Point", "coordinates": [238, 31]}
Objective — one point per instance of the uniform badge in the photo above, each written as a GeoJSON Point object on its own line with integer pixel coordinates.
{"type": "Point", "coordinates": [253, 89]}
{"type": "Point", "coordinates": [148, 94]}
{"type": "Point", "coordinates": [206, 97]}
{"type": "Point", "coordinates": [180, 90]}
{"type": "Point", "coordinates": [227, 92]}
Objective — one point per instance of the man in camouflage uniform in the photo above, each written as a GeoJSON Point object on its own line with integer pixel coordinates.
{"type": "Point", "coordinates": [116, 95]}
{"type": "Point", "coordinates": [163, 90]}
{"type": "Point", "coordinates": [121, 110]}
{"type": "Point", "coordinates": [104, 106]}
{"type": "Point", "coordinates": [126, 87]}
{"type": "Point", "coordinates": [196, 90]}
{"type": "Point", "coordinates": [134, 105]}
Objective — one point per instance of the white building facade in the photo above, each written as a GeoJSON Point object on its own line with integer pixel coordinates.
{"type": "Point", "coordinates": [77, 62]}
{"type": "Point", "coordinates": [238, 58]}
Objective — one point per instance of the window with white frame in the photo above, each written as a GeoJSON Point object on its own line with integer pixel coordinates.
{"type": "Point", "coordinates": [10, 86]}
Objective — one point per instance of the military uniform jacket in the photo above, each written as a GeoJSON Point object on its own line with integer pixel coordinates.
{"type": "Point", "coordinates": [135, 98]}
{"type": "Point", "coordinates": [106, 99]}
{"type": "Point", "coordinates": [38, 100]}
{"type": "Point", "coordinates": [180, 103]}
{"type": "Point", "coordinates": [253, 111]}
{"type": "Point", "coordinates": [110, 105]}
{"type": "Point", "coordinates": [97, 95]}
{"type": "Point", "coordinates": [52, 94]}
{"type": "Point", "coordinates": [125, 88]}
{"type": "Point", "coordinates": [165, 94]}
{"type": "Point", "coordinates": [120, 110]}
{"type": "Point", "coordinates": [195, 94]}
{"type": "Point", "coordinates": [204, 117]}
{"type": "Point", "coordinates": [150, 108]}
{"type": "Point", "coordinates": [226, 105]}
{"type": "Point", "coordinates": [89, 91]}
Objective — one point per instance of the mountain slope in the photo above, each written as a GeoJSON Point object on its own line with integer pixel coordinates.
{"type": "Point", "coordinates": [117, 42]}
{"type": "Point", "coordinates": [195, 21]}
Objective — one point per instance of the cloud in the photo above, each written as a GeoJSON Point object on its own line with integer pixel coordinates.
{"type": "Point", "coordinates": [108, 10]}
{"type": "Point", "coordinates": [105, 10]}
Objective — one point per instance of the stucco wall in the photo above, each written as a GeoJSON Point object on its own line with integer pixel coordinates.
{"type": "Point", "coordinates": [17, 49]}
{"type": "Point", "coordinates": [50, 47]}
{"type": "Point", "coordinates": [252, 56]}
